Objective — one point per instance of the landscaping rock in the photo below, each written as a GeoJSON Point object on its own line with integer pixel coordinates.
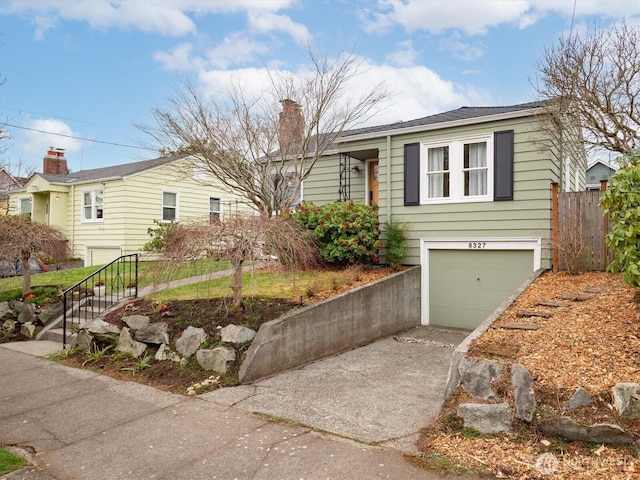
{"type": "Point", "coordinates": [579, 399]}
{"type": "Point", "coordinates": [569, 429]}
{"type": "Point", "coordinates": [165, 353]}
{"type": "Point", "coordinates": [5, 310]}
{"type": "Point", "coordinates": [520, 326]}
{"type": "Point", "coordinates": [50, 314]}
{"type": "Point", "coordinates": [135, 322]}
{"type": "Point", "coordinates": [190, 341]}
{"type": "Point", "coordinates": [155, 333]}
{"type": "Point", "coordinates": [100, 327]}
{"type": "Point", "coordinates": [84, 340]}
{"type": "Point", "coordinates": [627, 399]}
{"type": "Point", "coordinates": [28, 329]}
{"type": "Point", "coordinates": [532, 313]}
{"type": "Point", "coordinates": [236, 334]}
{"type": "Point", "coordinates": [523, 392]}
{"type": "Point", "coordinates": [127, 344]}
{"type": "Point", "coordinates": [9, 325]}
{"type": "Point", "coordinates": [486, 418]}
{"type": "Point", "coordinates": [216, 359]}
{"type": "Point", "coordinates": [476, 377]}
{"type": "Point", "coordinates": [27, 313]}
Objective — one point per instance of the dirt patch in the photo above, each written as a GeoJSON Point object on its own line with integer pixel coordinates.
{"type": "Point", "coordinates": [588, 336]}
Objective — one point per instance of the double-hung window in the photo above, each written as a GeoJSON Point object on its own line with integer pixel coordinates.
{"type": "Point", "coordinates": [169, 207]}
{"type": "Point", "coordinates": [458, 170]}
{"type": "Point", "coordinates": [215, 209]}
{"type": "Point", "coordinates": [92, 206]}
{"type": "Point", "coordinates": [25, 206]}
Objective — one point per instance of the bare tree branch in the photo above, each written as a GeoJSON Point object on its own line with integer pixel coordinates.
{"type": "Point", "coordinates": [247, 145]}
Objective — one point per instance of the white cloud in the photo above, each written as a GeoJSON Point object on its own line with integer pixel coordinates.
{"type": "Point", "coordinates": [236, 49]}
{"type": "Point", "coordinates": [404, 55]}
{"type": "Point", "coordinates": [459, 49]}
{"type": "Point", "coordinates": [37, 142]}
{"type": "Point", "coordinates": [179, 58]}
{"type": "Point", "coordinates": [267, 22]}
{"type": "Point", "coordinates": [474, 17]}
{"type": "Point", "coordinates": [416, 91]}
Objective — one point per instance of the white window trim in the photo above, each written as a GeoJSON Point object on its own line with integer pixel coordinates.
{"type": "Point", "coordinates": [94, 214]}
{"type": "Point", "coordinates": [177, 207]}
{"type": "Point", "coordinates": [221, 200]}
{"type": "Point", "coordinates": [489, 243]}
{"type": "Point", "coordinates": [456, 175]}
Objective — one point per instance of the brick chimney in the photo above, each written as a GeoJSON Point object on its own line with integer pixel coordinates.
{"type": "Point", "coordinates": [291, 127]}
{"type": "Point", "coordinates": [54, 162]}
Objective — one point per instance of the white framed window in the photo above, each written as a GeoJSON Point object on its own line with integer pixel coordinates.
{"type": "Point", "coordinates": [169, 206]}
{"type": "Point", "coordinates": [215, 209]}
{"type": "Point", "coordinates": [459, 170]}
{"type": "Point", "coordinates": [92, 206]}
{"type": "Point", "coordinates": [24, 205]}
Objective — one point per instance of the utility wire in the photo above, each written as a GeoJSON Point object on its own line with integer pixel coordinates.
{"type": "Point", "coordinates": [76, 138]}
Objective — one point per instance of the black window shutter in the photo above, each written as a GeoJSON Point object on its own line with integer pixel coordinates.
{"type": "Point", "coordinates": [503, 165]}
{"type": "Point", "coordinates": [412, 174]}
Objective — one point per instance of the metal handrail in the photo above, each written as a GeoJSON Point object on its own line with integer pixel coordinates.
{"type": "Point", "coordinates": [94, 294]}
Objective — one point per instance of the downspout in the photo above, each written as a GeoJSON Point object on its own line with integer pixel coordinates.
{"type": "Point", "coordinates": [388, 168]}
{"type": "Point", "coordinates": [73, 220]}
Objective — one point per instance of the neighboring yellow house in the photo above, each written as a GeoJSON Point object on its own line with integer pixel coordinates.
{"type": "Point", "coordinates": [8, 183]}
{"type": "Point", "coordinates": [106, 212]}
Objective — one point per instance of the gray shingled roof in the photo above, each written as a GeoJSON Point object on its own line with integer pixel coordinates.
{"type": "Point", "coordinates": [463, 113]}
{"type": "Point", "coordinates": [115, 171]}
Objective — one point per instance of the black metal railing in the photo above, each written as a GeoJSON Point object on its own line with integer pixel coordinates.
{"type": "Point", "coordinates": [94, 294]}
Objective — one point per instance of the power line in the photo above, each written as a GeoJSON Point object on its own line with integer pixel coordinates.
{"type": "Point", "coordinates": [76, 138]}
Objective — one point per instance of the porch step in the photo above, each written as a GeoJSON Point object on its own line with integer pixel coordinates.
{"type": "Point", "coordinates": [55, 335]}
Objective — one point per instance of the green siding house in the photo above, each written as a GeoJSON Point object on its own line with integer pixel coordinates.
{"type": "Point", "coordinates": [475, 187]}
{"type": "Point", "coordinates": [105, 212]}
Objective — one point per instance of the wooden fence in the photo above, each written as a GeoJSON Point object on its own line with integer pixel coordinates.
{"type": "Point", "coordinates": [579, 228]}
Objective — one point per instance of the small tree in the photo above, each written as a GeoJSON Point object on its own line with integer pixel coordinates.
{"type": "Point", "coordinates": [395, 242]}
{"type": "Point", "coordinates": [345, 232]}
{"type": "Point", "coordinates": [239, 239]}
{"type": "Point", "coordinates": [621, 204]}
{"type": "Point", "coordinates": [21, 238]}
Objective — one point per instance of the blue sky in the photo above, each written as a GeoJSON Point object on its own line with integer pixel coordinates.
{"type": "Point", "coordinates": [87, 72]}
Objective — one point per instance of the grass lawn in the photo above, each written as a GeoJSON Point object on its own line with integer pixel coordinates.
{"type": "Point", "coordinates": [9, 462]}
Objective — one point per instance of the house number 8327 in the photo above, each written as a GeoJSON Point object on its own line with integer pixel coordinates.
{"type": "Point", "coordinates": [477, 244]}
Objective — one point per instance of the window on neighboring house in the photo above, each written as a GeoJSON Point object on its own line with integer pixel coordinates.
{"type": "Point", "coordinates": [92, 206]}
{"type": "Point", "coordinates": [457, 170]}
{"type": "Point", "coordinates": [25, 205]}
{"type": "Point", "coordinates": [215, 209]}
{"type": "Point", "coordinates": [284, 184]}
{"type": "Point", "coordinates": [169, 206]}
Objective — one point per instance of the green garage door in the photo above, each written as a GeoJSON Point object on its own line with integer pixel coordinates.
{"type": "Point", "coordinates": [465, 287]}
{"type": "Point", "coordinates": [101, 255]}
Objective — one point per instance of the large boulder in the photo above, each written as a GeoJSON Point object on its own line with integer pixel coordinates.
{"type": "Point", "coordinates": [27, 313]}
{"type": "Point", "coordinates": [571, 430]}
{"type": "Point", "coordinates": [626, 397]}
{"type": "Point", "coordinates": [100, 327]}
{"type": "Point", "coordinates": [580, 398]}
{"type": "Point", "coordinates": [127, 344]}
{"type": "Point", "coordinates": [136, 322]}
{"type": "Point", "coordinates": [486, 418]}
{"type": "Point", "coordinates": [217, 359]}
{"type": "Point", "coordinates": [54, 311]}
{"type": "Point", "coordinates": [5, 310]}
{"type": "Point", "coordinates": [236, 334]}
{"type": "Point", "coordinates": [476, 377]}
{"type": "Point", "coordinates": [190, 341]}
{"type": "Point", "coordinates": [524, 398]}
{"type": "Point", "coordinates": [156, 333]}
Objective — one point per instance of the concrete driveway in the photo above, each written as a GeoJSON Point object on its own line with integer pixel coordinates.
{"type": "Point", "coordinates": [382, 393]}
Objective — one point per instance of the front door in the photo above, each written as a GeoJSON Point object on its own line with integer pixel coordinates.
{"type": "Point", "coordinates": [373, 182]}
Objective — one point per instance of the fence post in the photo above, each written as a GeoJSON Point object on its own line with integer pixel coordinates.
{"type": "Point", "coordinates": [603, 187]}
{"type": "Point", "coordinates": [554, 226]}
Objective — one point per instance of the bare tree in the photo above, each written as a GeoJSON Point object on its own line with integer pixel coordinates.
{"type": "Point", "coordinates": [265, 146]}
{"type": "Point", "coordinates": [21, 238]}
{"type": "Point", "coordinates": [240, 240]}
{"type": "Point", "coordinates": [593, 80]}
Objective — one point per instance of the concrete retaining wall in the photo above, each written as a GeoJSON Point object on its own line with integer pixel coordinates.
{"type": "Point", "coordinates": [353, 319]}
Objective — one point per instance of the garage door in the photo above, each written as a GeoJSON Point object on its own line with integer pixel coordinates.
{"type": "Point", "coordinates": [466, 286]}
{"type": "Point", "coordinates": [101, 255]}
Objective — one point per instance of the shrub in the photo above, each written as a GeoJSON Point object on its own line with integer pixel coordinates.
{"type": "Point", "coordinates": [159, 236]}
{"type": "Point", "coordinates": [621, 204]}
{"type": "Point", "coordinates": [344, 232]}
{"type": "Point", "coordinates": [395, 235]}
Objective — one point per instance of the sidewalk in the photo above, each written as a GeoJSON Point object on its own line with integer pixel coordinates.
{"type": "Point", "coordinates": [82, 425]}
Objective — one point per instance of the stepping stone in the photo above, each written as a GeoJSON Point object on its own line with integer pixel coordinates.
{"type": "Point", "coordinates": [520, 326]}
{"type": "Point", "coordinates": [552, 304]}
{"type": "Point", "coordinates": [594, 290]}
{"type": "Point", "coordinates": [574, 297]}
{"type": "Point", "coordinates": [528, 313]}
